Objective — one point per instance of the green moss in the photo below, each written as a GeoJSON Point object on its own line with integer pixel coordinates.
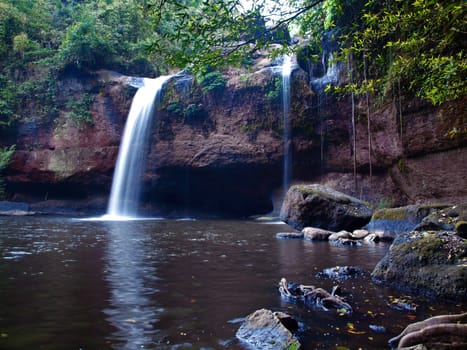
{"type": "Point", "coordinates": [273, 90]}
{"type": "Point", "coordinates": [80, 110]}
{"type": "Point", "coordinates": [391, 214]}
{"type": "Point", "coordinates": [294, 346]}
{"type": "Point", "coordinates": [430, 250]}
{"type": "Point", "coordinates": [385, 203]}
{"type": "Point", "coordinates": [402, 165]}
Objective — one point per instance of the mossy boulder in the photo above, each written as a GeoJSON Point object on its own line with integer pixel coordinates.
{"type": "Point", "coordinates": [389, 222]}
{"type": "Point", "coordinates": [323, 207]}
{"type": "Point", "coordinates": [432, 263]}
{"type": "Point", "coordinates": [444, 218]}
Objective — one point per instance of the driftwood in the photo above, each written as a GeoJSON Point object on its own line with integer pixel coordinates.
{"type": "Point", "coordinates": [447, 331]}
{"type": "Point", "coordinates": [318, 296]}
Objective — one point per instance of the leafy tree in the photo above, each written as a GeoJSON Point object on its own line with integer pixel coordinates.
{"type": "Point", "coordinates": [5, 157]}
{"type": "Point", "coordinates": [213, 33]}
{"type": "Point", "coordinates": [419, 44]}
{"type": "Point", "coordinates": [85, 44]}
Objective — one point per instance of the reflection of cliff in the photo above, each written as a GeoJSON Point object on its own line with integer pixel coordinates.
{"type": "Point", "coordinates": [221, 151]}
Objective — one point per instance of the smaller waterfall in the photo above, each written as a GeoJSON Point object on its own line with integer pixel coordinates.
{"type": "Point", "coordinates": [130, 167]}
{"type": "Point", "coordinates": [287, 165]}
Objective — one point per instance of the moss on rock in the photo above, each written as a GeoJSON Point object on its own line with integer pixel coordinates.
{"type": "Point", "coordinates": [429, 263]}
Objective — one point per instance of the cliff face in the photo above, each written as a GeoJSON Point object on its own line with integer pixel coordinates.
{"type": "Point", "coordinates": [221, 151]}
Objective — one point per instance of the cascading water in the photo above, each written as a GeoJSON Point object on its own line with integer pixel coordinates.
{"type": "Point", "coordinates": [129, 170]}
{"type": "Point", "coordinates": [287, 166]}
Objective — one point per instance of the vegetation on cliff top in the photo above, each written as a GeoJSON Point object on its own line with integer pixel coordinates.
{"type": "Point", "coordinates": [392, 47]}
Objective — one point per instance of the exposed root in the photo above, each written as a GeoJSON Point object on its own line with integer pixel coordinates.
{"type": "Point", "coordinates": [312, 295]}
{"type": "Point", "coordinates": [446, 331]}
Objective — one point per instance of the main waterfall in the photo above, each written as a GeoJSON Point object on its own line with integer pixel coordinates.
{"type": "Point", "coordinates": [131, 161]}
{"type": "Point", "coordinates": [286, 73]}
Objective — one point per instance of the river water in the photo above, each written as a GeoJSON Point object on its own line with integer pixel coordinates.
{"type": "Point", "coordinates": [178, 284]}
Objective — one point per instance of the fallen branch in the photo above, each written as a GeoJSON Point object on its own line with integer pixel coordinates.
{"type": "Point", "coordinates": [312, 295]}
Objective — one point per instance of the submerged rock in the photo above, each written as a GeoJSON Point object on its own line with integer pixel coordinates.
{"type": "Point", "coordinates": [341, 272]}
{"type": "Point", "coordinates": [264, 329]}
{"type": "Point", "coordinates": [322, 207]}
{"type": "Point", "coordinates": [429, 263]}
{"type": "Point", "coordinates": [289, 235]}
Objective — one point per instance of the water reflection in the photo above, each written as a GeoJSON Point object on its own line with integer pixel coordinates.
{"type": "Point", "coordinates": [131, 273]}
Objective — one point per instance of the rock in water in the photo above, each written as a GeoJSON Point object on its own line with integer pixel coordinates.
{"type": "Point", "coordinates": [428, 262]}
{"type": "Point", "coordinates": [390, 222]}
{"type": "Point", "coordinates": [316, 234]}
{"type": "Point", "coordinates": [341, 272]}
{"type": "Point", "coordinates": [320, 206]}
{"type": "Point", "coordinates": [266, 330]}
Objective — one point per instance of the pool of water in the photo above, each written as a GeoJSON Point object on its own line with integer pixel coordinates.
{"type": "Point", "coordinates": [179, 284]}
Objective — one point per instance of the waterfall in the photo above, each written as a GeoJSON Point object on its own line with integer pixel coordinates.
{"type": "Point", "coordinates": [130, 167]}
{"type": "Point", "coordinates": [287, 165]}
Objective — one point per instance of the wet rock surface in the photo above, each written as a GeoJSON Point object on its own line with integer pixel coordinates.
{"type": "Point", "coordinates": [268, 330]}
{"type": "Point", "coordinates": [322, 207]}
{"type": "Point", "coordinates": [341, 272]}
{"type": "Point", "coordinates": [316, 234]}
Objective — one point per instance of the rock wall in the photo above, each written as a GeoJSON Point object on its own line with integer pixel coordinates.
{"type": "Point", "coordinates": [220, 152]}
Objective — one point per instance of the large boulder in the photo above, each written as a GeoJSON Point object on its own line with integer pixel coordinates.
{"type": "Point", "coordinates": [320, 206]}
{"type": "Point", "coordinates": [267, 330]}
{"type": "Point", "coordinates": [431, 263]}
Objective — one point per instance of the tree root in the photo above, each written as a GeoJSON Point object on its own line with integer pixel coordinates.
{"type": "Point", "coordinates": [311, 294]}
{"type": "Point", "coordinates": [445, 331]}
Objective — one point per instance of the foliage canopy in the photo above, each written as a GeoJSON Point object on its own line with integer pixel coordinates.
{"type": "Point", "coordinates": [414, 46]}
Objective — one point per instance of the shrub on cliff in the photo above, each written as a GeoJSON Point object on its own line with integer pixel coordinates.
{"type": "Point", "coordinates": [5, 157]}
{"type": "Point", "coordinates": [211, 81]}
